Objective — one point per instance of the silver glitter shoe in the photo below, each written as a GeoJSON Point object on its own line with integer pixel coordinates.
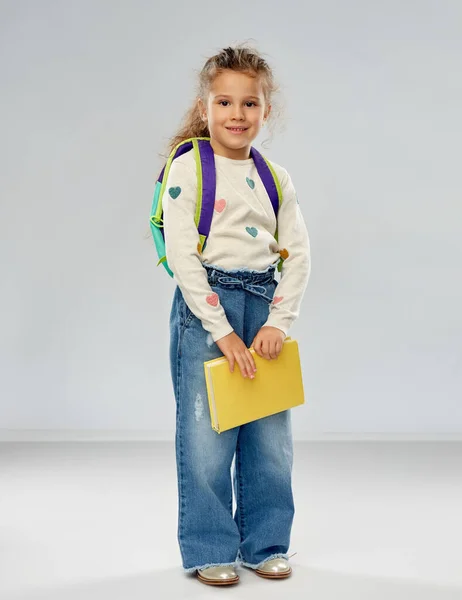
{"type": "Point", "coordinates": [276, 568]}
{"type": "Point", "coordinates": [218, 575]}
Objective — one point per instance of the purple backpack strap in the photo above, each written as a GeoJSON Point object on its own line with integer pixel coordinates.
{"type": "Point", "coordinates": [267, 178]}
{"type": "Point", "coordinates": [209, 184]}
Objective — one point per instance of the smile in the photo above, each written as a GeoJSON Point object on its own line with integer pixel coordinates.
{"type": "Point", "coordinates": [237, 129]}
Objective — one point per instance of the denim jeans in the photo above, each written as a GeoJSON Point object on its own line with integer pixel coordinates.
{"type": "Point", "coordinates": [208, 532]}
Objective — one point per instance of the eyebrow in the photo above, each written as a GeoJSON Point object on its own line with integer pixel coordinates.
{"type": "Point", "coordinates": [228, 96]}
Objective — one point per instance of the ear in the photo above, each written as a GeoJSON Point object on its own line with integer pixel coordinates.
{"type": "Point", "coordinates": [202, 110]}
{"type": "Point", "coordinates": [267, 113]}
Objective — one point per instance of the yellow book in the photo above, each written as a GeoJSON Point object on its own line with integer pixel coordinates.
{"type": "Point", "coordinates": [235, 400]}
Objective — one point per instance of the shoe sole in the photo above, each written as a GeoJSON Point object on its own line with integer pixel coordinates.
{"type": "Point", "coordinates": [282, 575]}
{"type": "Point", "coordinates": [217, 581]}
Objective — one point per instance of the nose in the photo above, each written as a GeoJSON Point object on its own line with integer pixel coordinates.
{"type": "Point", "coordinates": [238, 113]}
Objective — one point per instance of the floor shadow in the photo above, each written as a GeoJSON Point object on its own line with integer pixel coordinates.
{"type": "Point", "coordinates": [306, 583]}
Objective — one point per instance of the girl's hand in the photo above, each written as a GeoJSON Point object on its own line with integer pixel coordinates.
{"type": "Point", "coordinates": [235, 350]}
{"type": "Point", "coordinates": [268, 342]}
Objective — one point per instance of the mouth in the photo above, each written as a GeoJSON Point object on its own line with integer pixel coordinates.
{"type": "Point", "coordinates": [237, 130]}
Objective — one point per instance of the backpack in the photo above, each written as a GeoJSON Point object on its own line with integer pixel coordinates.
{"type": "Point", "coordinates": [206, 185]}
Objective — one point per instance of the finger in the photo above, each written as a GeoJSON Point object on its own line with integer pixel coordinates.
{"type": "Point", "coordinates": [251, 361]}
{"type": "Point", "coordinates": [278, 347]}
{"type": "Point", "coordinates": [242, 365]}
{"type": "Point", "coordinates": [246, 364]}
{"type": "Point", "coordinates": [272, 349]}
{"type": "Point", "coordinates": [257, 346]}
{"type": "Point", "coordinates": [231, 362]}
{"type": "Point", "coordinates": [265, 350]}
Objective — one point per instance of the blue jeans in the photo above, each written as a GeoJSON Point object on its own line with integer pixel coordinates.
{"type": "Point", "coordinates": [208, 533]}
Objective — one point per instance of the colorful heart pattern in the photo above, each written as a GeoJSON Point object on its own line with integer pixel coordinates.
{"type": "Point", "coordinates": [220, 205]}
{"type": "Point", "coordinates": [284, 253]}
{"type": "Point", "coordinates": [253, 231]}
{"type": "Point", "coordinates": [278, 299]}
{"type": "Point", "coordinates": [212, 300]}
{"type": "Point", "coordinates": [250, 183]}
{"type": "Point", "coordinates": [174, 192]}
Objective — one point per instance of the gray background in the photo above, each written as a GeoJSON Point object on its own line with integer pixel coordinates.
{"type": "Point", "coordinates": [371, 136]}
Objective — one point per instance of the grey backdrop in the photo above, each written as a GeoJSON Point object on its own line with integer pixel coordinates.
{"type": "Point", "coordinates": [90, 92]}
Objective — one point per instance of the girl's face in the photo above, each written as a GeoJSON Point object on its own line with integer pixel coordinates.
{"type": "Point", "coordinates": [235, 112]}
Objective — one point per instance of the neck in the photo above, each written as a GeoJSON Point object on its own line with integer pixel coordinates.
{"type": "Point", "coordinates": [235, 154]}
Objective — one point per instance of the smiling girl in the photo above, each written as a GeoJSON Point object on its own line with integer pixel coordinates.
{"type": "Point", "coordinates": [228, 299]}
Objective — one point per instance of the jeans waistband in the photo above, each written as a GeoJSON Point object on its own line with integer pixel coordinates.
{"type": "Point", "coordinates": [251, 281]}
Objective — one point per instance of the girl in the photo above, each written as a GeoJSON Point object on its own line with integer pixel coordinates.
{"type": "Point", "coordinates": [226, 301]}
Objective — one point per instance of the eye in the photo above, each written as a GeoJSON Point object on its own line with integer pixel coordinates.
{"type": "Point", "coordinates": [224, 102]}
{"type": "Point", "coordinates": [251, 103]}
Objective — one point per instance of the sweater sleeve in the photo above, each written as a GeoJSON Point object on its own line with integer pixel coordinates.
{"type": "Point", "coordinates": [182, 251]}
{"type": "Point", "coordinates": [294, 247]}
